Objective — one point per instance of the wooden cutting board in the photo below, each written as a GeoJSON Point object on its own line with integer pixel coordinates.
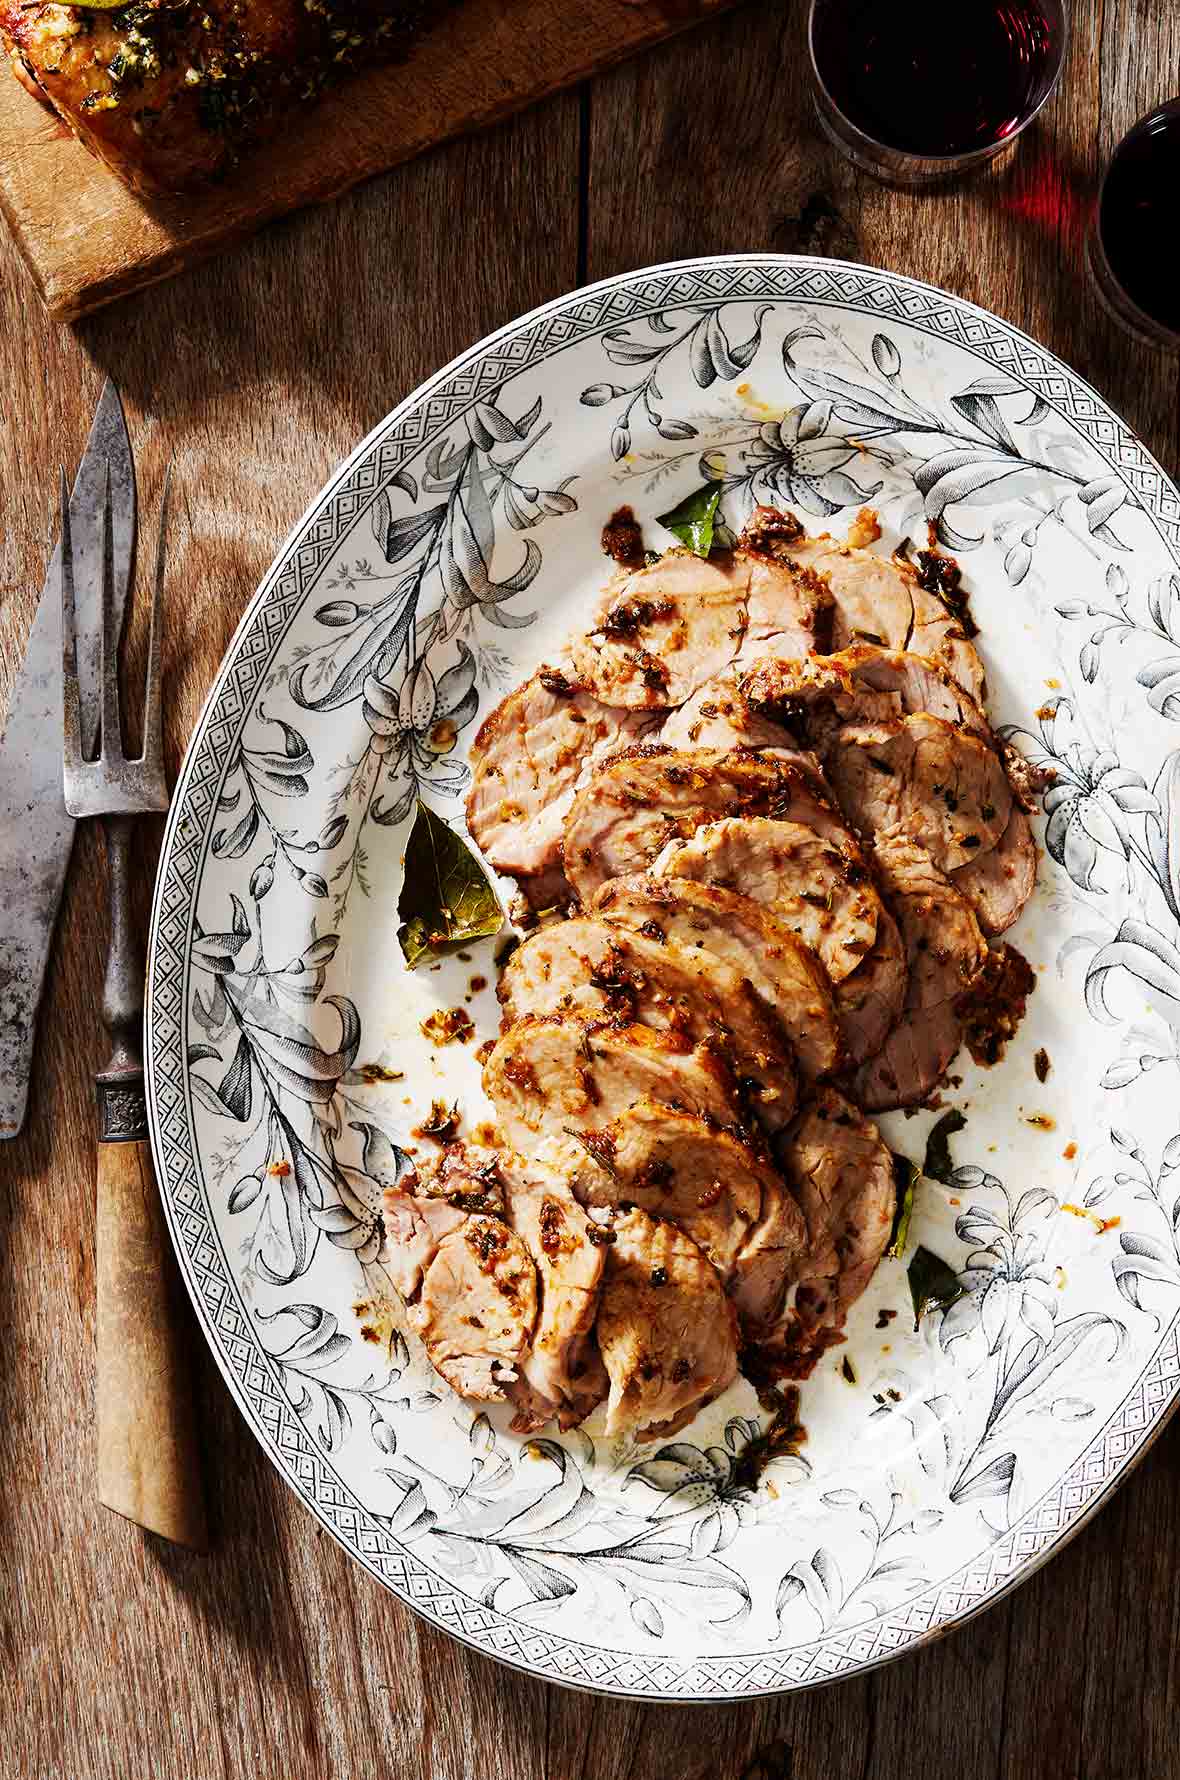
{"type": "Point", "coordinates": [87, 240]}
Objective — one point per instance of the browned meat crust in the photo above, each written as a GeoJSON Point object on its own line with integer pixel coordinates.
{"type": "Point", "coordinates": [170, 94]}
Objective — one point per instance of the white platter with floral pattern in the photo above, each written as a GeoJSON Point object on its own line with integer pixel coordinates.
{"type": "Point", "coordinates": [435, 570]}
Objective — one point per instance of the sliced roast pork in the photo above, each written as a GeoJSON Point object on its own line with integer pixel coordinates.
{"type": "Point", "coordinates": [842, 1176]}
{"type": "Point", "coordinates": [546, 1075]}
{"type": "Point", "coordinates": [783, 972]}
{"type": "Point", "coordinates": [821, 890]}
{"type": "Point", "coordinates": [596, 971]}
{"type": "Point", "coordinates": [632, 807]}
{"type": "Point", "coordinates": [787, 607]}
{"type": "Point", "coordinates": [878, 599]}
{"type": "Point", "coordinates": [1000, 882]}
{"type": "Point", "coordinates": [773, 1251]}
{"type": "Point", "coordinates": [662, 630]}
{"type": "Point", "coordinates": [562, 1376]}
{"type": "Point", "coordinates": [868, 685]}
{"type": "Point", "coordinates": [666, 1330]}
{"type": "Point", "coordinates": [860, 684]}
{"type": "Point", "coordinates": [922, 775]}
{"type": "Point", "coordinates": [870, 999]}
{"type": "Point", "coordinates": [468, 1281]}
{"type": "Point", "coordinates": [718, 715]}
{"type": "Point", "coordinates": [945, 950]}
{"type": "Point", "coordinates": [432, 1203]}
{"type": "Point", "coordinates": [528, 757]}
{"type": "Point", "coordinates": [675, 1165]}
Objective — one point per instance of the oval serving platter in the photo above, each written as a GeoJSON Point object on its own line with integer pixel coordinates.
{"type": "Point", "coordinates": [287, 1064]}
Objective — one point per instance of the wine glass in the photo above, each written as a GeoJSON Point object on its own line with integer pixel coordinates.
{"type": "Point", "coordinates": [929, 91]}
{"type": "Point", "coordinates": [1130, 237]}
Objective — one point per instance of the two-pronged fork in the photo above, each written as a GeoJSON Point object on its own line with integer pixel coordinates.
{"type": "Point", "coordinates": [147, 1463]}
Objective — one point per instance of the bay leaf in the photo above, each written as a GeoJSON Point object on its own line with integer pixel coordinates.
{"type": "Point", "coordinates": [939, 1164]}
{"type": "Point", "coordinates": [933, 1284]}
{"type": "Point", "coordinates": [694, 519]}
{"type": "Point", "coordinates": [447, 899]}
{"type": "Point", "coordinates": [906, 1175]}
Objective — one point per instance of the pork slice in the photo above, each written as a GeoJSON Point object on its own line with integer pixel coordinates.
{"type": "Point", "coordinates": [872, 596]}
{"type": "Point", "coordinates": [842, 1175]}
{"type": "Point", "coordinates": [938, 634]}
{"type": "Point", "coordinates": [477, 1308]}
{"type": "Point", "coordinates": [918, 682]}
{"type": "Point", "coordinates": [811, 699]}
{"type": "Point", "coordinates": [783, 972]}
{"type": "Point", "coordinates": [470, 1288]}
{"type": "Point", "coordinates": [868, 685]}
{"type": "Point", "coordinates": [415, 1224]}
{"type": "Point", "coordinates": [861, 684]}
{"type": "Point", "coordinates": [718, 716]}
{"type": "Point", "coordinates": [877, 599]}
{"type": "Point", "coordinates": [562, 1376]}
{"type": "Point", "coordinates": [1000, 882]}
{"type": "Point", "coordinates": [945, 950]}
{"type": "Point", "coordinates": [546, 892]}
{"type": "Point", "coordinates": [921, 774]}
{"type": "Point", "coordinates": [820, 890]}
{"type": "Point", "coordinates": [824, 893]}
{"type": "Point", "coordinates": [598, 971]}
{"type": "Point", "coordinates": [771, 1253]}
{"type": "Point", "coordinates": [663, 630]}
{"type": "Point", "coordinates": [673, 1164]}
{"type": "Point", "coordinates": [786, 608]}
{"type": "Point", "coordinates": [528, 757]}
{"type": "Point", "coordinates": [431, 1203]}
{"type": "Point", "coordinates": [666, 1330]}
{"type": "Point", "coordinates": [546, 1075]}
{"type": "Point", "coordinates": [634, 805]}
{"type": "Point", "coordinates": [870, 999]}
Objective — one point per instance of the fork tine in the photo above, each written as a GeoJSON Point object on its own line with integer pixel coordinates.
{"type": "Point", "coordinates": [71, 698]}
{"type": "Point", "coordinates": [112, 733]}
{"type": "Point", "coordinates": [153, 742]}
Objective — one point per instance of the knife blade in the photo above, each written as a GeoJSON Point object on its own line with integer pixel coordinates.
{"type": "Point", "coordinates": [36, 834]}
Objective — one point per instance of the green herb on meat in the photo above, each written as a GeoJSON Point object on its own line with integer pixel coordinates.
{"type": "Point", "coordinates": [694, 520]}
{"type": "Point", "coordinates": [938, 1164]}
{"type": "Point", "coordinates": [446, 898]}
{"type": "Point", "coordinates": [933, 1284]}
{"type": "Point", "coordinates": [906, 1175]}
{"type": "Point", "coordinates": [599, 1146]}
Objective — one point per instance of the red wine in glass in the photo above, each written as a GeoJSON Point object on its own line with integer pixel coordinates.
{"type": "Point", "coordinates": [935, 86]}
{"type": "Point", "coordinates": [1130, 244]}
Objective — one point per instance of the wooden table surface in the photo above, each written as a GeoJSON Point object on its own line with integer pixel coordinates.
{"type": "Point", "coordinates": [276, 1655]}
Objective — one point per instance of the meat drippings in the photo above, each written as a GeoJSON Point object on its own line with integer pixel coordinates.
{"type": "Point", "coordinates": [622, 539]}
{"type": "Point", "coordinates": [993, 1007]}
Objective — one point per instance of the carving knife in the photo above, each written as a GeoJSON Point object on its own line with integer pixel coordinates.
{"type": "Point", "coordinates": [36, 834]}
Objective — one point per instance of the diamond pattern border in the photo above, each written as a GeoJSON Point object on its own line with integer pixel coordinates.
{"type": "Point", "coordinates": [288, 584]}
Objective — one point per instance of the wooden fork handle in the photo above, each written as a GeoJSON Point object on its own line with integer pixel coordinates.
{"type": "Point", "coordinates": [147, 1454]}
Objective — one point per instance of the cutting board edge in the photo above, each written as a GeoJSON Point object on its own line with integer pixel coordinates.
{"type": "Point", "coordinates": [69, 291]}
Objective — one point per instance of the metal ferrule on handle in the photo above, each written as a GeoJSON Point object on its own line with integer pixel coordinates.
{"type": "Point", "coordinates": [122, 1108]}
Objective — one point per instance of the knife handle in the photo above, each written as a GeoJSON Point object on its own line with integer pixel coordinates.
{"type": "Point", "coordinates": [147, 1455]}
